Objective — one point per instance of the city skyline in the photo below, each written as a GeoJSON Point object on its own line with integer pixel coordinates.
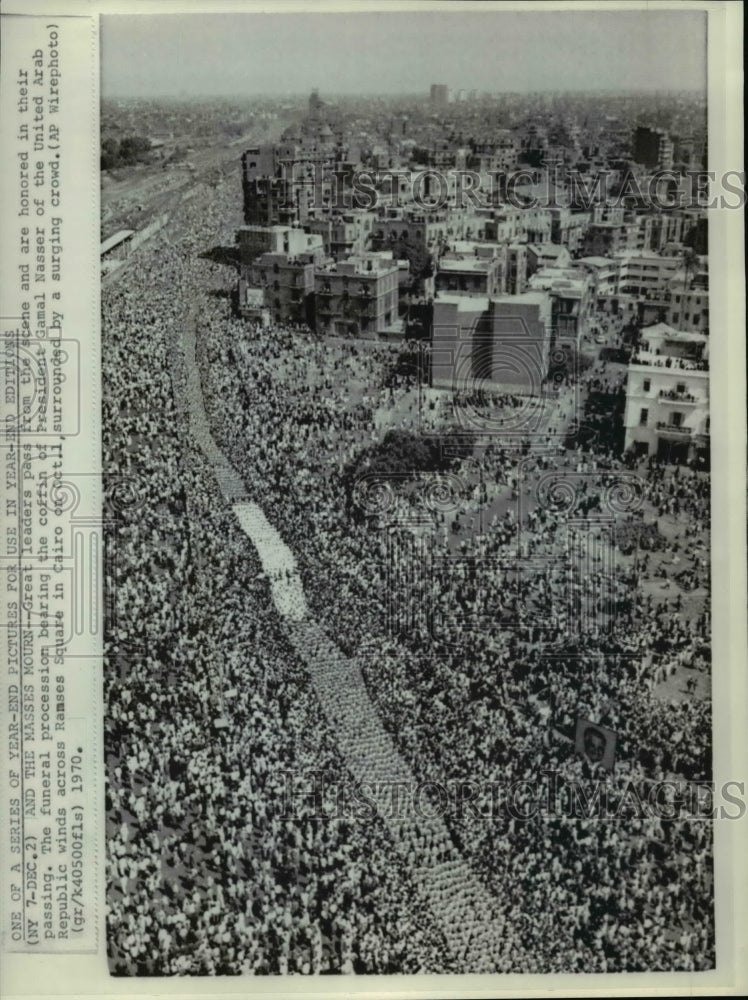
{"type": "Point", "coordinates": [368, 54]}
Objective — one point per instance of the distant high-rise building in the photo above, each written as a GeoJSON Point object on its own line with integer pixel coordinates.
{"type": "Point", "coordinates": [399, 125]}
{"type": "Point", "coordinates": [439, 95]}
{"type": "Point", "coordinates": [653, 148]}
{"type": "Point", "coordinates": [645, 146]}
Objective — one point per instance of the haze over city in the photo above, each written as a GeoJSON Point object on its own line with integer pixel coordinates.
{"type": "Point", "coordinates": [208, 55]}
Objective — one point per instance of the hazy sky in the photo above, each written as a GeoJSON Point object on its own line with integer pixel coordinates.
{"type": "Point", "coordinates": [384, 53]}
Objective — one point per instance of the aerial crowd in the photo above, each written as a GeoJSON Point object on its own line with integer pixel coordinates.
{"type": "Point", "coordinates": [509, 626]}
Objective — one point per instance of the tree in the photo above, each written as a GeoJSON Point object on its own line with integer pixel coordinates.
{"type": "Point", "coordinates": [132, 149]}
{"type": "Point", "coordinates": [402, 456]}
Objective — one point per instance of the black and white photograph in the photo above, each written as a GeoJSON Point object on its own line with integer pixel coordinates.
{"type": "Point", "coordinates": [405, 347]}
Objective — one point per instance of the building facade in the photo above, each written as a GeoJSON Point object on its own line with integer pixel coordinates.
{"type": "Point", "coordinates": [667, 397]}
{"type": "Point", "coordinates": [499, 344]}
{"type": "Point", "coordinates": [571, 294]}
{"type": "Point", "coordinates": [474, 274]}
{"type": "Point", "coordinates": [358, 296]}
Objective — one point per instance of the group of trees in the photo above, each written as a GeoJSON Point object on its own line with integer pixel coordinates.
{"type": "Point", "coordinates": [124, 152]}
{"type": "Point", "coordinates": [401, 456]}
{"type": "Point", "coordinates": [404, 248]}
{"type": "Point", "coordinates": [601, 426]}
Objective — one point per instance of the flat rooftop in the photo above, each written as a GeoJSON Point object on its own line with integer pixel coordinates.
{"type": "Point", "coordinates": [466, 263]}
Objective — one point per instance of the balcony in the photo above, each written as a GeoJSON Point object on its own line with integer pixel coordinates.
{"type": "Point", "coordinates": [650, 360]}
{"type": "Point", "coordinates": [672, 430]}
{"type": "Point", "coordinates": [672, 396]}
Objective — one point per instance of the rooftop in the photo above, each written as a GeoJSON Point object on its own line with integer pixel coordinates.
{"type": "Point", "coordinates": [560, 279]}
{"type": "Point", "coordinates": [644, 255]}
{"type": "Point", "coordinates": [536, 298]}
{"type": "Point", "coordinates": [548, 249]}
{"type": "Point", "coordinates": [372, 265]}
{"type": "Point", "coordinates": [596, 261]}
{"type": "Point", "coordinates": [466, 263]}
{"type": "Point", "coordinates": [667, 332]}
{"type": "Point", "coordinates": [464, 303]}
{"type": "Point", "coordinates": [482, 303]}
{"type": "Point", "coordinates": [648, 359]}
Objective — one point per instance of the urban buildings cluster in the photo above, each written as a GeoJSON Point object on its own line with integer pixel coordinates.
{"type": "Point", "coordinates": [426, 220]}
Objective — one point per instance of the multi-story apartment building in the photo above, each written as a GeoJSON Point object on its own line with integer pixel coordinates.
{"type": "Point", "coordinates": [644, 273]}
{"type": "Point", "coordinates": [357, 296]}
{"type": "Point", "coordinates": [568, 228]}
{"type": "Point", "coordinates": [428, 230]}
{"type": "Point", "coordinates": [276, 273]}
{"type": "Point", "coordinates": [519, 224]}
{"type": "Point", "coordinates": [500, 153]}
{"type": "Point", "coordinates": [252, 241]}
{"type": "Point", "coordinates": [281, 182]}
{"type": "Point", "coordinates": [439, 95]}
{"type": "Point", "coordinates": [654, 231]}
{"type": "Point", "coordinates": [516, 273]}
{"type": "Point", "coordinates": [471, 274]}
{"type": "Point", "coordinates": [287, 286]}
{"type": "Point", "coordinates": [667, 396]}
{"type": "Point", "coordinates": [683, 302]}
{"type": "Point", "coordinates": [653, 148]}
{"type": "Point", "coordinates": [570, 291]}
{"type": "Point", "coordinates": [343, 233]}
{"type": "Point", "coordinates": [605, 238]}
{"type": "Point", "coordinates": [541, 255]}
{"type": "Point", "coordinates": [603, 272]}
{"type": "Point", "coordinates": [688, 308]}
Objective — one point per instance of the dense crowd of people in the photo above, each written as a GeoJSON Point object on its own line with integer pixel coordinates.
{"type": "Point", "coordinates": [208, 709]}
{"type": "Point", "coordinates": [516, 627]}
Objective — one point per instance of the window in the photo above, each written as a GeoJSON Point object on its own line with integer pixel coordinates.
{"type": "Point", "coordinates": [676, 419]}
{"type": "Point", "coordinates": [680, 387]}
{"type": "Point", "coordinates": [646, 385]}
{"type": "Point", "coordinates": [643, 417]}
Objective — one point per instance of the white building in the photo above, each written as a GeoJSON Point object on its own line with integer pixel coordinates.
{"type": "Point", "coordinates": [667, 396]}
{"type": "Point", "coordinates": [604, 272]}
{"type": "Point", "coordinates": [643, 273]}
